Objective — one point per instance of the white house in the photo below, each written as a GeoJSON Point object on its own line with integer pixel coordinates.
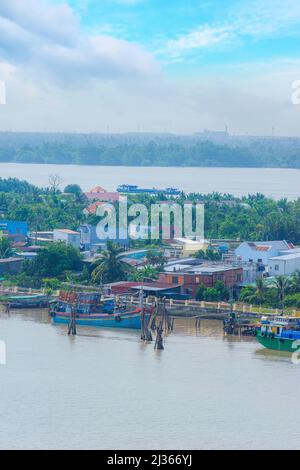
{"type": "Point", "coordinates": [68, 236]}
{"type": "Point", "coordinates": [284, 265]}
{"type": "Point", "coordinates": [260, 252]}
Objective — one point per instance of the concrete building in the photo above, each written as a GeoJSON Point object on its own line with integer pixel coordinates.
{"type": "Point", "coordinates": [91, 242]}
{"type": "Point", "coordinates": [260, 252]}
{"type": "Point", "coordinates": [14, 230]}
{"type": "Point", "coordinates": [183, 247]}
{"type": "Point", "coordinates": [284, 265]}
{"type": "Point", "coordinates": [10, 265]}
{"type": "Point", "coordinates": [191, 277]}
{"type": "Point", "coordinates": [68, 236]}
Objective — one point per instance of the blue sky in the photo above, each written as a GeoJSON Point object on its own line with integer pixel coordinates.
{"type": "Point", "coordinates": [154, 65]}
{"type": "Point", "coordinates": [187, 35]}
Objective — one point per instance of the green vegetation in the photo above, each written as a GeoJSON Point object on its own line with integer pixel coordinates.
{"type": "Point", "coordinates": [282, 292]}
{"type": "Point", "coordinates": [149, 150]}
{"type": "Point", "coordinates": [5, 248]}
{"type": "Point", "coordinates": [213, 294]}
{"type": "Point", "coordinates": [110, 267]}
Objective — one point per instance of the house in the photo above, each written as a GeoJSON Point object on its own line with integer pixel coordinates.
{"type": "Point", "coordinates": [182, 247]}
{"type": "Point", "coordinates": [90, 241]}
{"type": "Point", "coordinates": [100, 194]}
{"type": "Point", "coordinates": [260, 252]}
{"type": "Point", "coordinates": [68, 236]}
{"type": "Point", "coordinates": [284, 265]}
{"type": "Point", "coordinates": [190, 277]}
{"type": "Point", "coordinates": [14, 230]}
{"type": "Point", "coordinates": [10, 265]}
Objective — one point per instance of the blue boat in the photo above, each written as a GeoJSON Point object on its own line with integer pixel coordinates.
{"type": "Point", "coordinates": [133, 189]}
{"type": "Point", "coordinates": [90, 310]}
{"type": "Point", "coordinates": [130, 320]}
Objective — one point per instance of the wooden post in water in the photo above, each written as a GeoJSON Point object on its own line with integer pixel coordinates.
{"type": "Point", "coordinates": [145, 332]}
{"type": "Point", "coordinates": [72, 325]}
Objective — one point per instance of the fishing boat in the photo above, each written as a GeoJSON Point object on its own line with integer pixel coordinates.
{"type": "Point", "coordinates": [90, 310]}
{"type": "Point", "coordinates": [280, 333]}
{"type": "Point", "coordinates": [28, 301]}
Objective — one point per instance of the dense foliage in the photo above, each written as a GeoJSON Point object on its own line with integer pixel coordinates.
{"type": "Point", "coordinates": [150, 150]}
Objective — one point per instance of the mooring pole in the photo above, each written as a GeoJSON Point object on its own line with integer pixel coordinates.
{"type": "Point", "coordinates": [145, 333]}
{"type": "Point", "coordinates": [72, 326]}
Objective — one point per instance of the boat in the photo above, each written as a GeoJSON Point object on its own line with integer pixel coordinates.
{"type": "Point", "coordinates": [280, 333]}
{"type": "Point", "coordinates": [90, 310]}
{"type": "Point", "coordinates": [28, 301]}
{"type": "Point", "coordinates": [133, 189]}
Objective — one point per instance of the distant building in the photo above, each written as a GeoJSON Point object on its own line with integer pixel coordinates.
{"type": "Point", "coordinates": [68, 236]}
{"type": "Point", "coordinates": [260, 252]}
{"type": "Point", "coordinates": [284, 265]}
{"type": "Point", "coordinates": [100, 194]}
{"type": "Point", "coordinates": [90, 241]}
{"type": "Point", "coordinates": [10, 266]}
{"type": "Point", "coordinates": [183, 247]}
{"type": "Point", "coordinates": [14, 230]}
{"type": "Point", "coordinates": [190, 277]}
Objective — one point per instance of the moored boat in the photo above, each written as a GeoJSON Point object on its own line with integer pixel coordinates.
{"type": "Point", "coordinates": [90, 310]}
{"type": "Point", "coordinates": [280, 334]}
{"type": "Point", "coordinates": [28, 301]}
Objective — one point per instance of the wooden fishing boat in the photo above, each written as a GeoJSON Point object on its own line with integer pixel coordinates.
{"type": "Point", "coordinates": [89, 309]}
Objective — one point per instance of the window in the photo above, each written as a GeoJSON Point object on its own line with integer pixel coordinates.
{"type": "Point", "coordinates": [276, 267]}
{"type": "Point", "coordinates": [175, 280]}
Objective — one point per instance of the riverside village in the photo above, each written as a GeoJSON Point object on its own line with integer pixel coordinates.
{"type": "Point", "coordinates": [62, 251]}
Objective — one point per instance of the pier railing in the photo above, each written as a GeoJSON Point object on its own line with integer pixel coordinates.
{"type": "Point", "coordinates": [172, 304]}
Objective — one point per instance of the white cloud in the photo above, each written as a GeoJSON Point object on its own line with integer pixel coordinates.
{"type": "Point", "coordinates": [50, 40]}
{"type": "Point", "coordinates": [263, 18]}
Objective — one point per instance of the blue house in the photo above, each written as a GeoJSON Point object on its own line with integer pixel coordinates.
{"type": "Point", "coordinates": [13, 228]}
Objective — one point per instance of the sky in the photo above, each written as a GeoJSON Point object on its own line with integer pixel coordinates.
{"type": "Point", "coordinates": [150, 65]}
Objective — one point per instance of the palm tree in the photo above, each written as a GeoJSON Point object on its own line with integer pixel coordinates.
{"type": "Point", "coordinates": [282, 284]}
{"type": "Point", "coordinates": [110, 267]}
{"type": "Point", "coordinates": [5, 248]}
{"type": "Point", "coordinates": [257, 295]}
{"type": "Point", "coordinates": [295, 281]}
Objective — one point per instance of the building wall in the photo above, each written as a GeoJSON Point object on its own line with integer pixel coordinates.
{"type": "Point", "coordinates": [68, 238]}
{"type": "Point", "coordinates": [191, 282]}
{"type": "Point", "coordinates": [284, 267]}
{"type": "Point", "coordinates": [14, 227]}
{"type": "Point", "coordinates": [10, 266]}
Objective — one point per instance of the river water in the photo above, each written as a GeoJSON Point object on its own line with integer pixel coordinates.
{"type": "Point", "coordinates": [104, 389]}
{"type": "Point", "coordinates": [276, 183]}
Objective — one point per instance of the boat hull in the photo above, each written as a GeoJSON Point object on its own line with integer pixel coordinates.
{"type": "Point", "coordinates": [125, 320]}
{"type": "Point", "coordinates": [278, 344]}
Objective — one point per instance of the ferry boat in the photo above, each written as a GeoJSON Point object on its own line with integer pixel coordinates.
{"type": "Point", "coordinates": [91, 311]}
{"type": "Point", "coordinates": [133, 189]}
{"type": "Point", "coordinates": [280, 333]}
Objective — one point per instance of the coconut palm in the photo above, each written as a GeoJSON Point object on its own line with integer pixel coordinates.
{"type": "Point", "coordinates": [295, 281]}
{"type": "Point", "coordinates": [282, 284]}
{"type": "Point", "coordinates": [156, 258]}
{"type": "Point", "coordinates": [257, 294]}
{"type": "Point", "coordinates": [110, 267]}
